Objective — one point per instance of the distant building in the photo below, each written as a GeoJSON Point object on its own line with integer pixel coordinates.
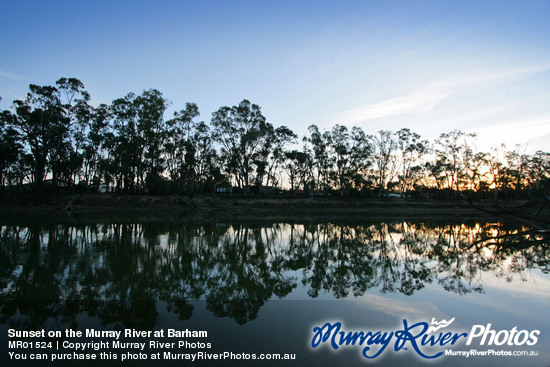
{"type": "Point", "coordinates": [224, 190]}
{"type": "Point", "coordinates": [104, 188]}
{"type": "Point", "coordinates": [318, 193]}
{"type": "Point", "coordinates": [60, 183]}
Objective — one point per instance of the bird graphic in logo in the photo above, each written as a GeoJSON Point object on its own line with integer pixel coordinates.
{"type": "Point", "coordinates": [439, 325]}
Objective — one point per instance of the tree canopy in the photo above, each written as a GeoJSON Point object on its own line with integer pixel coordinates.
{"type": "Point", "coordinates": [55, 136]}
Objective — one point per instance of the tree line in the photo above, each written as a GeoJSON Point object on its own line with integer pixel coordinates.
{"type": "Point", "coordinates": [55, 137]}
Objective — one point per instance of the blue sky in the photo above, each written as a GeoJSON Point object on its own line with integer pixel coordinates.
{"type": "Point", "coordinates": [431, 66]}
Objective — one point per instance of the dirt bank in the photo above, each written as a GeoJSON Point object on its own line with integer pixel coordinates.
{"type": "Point", "coordinates": [114, 207]}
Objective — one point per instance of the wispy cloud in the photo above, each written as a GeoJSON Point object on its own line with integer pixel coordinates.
{"type": "Point", "coordinates": [421, 100]}
{"type": "Point", "coordinates": [12, 76]}
{"type": "Point", "coordinates": [516, 132]}
{"type": "Point", "coordinates": [425, 97]}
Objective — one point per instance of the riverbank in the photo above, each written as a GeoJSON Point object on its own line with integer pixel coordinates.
{"type": "Point", "coordinates": [114, 207]}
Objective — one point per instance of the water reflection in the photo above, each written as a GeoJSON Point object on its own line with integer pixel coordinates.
{"type": "Point", "coordinates": [118, 273]}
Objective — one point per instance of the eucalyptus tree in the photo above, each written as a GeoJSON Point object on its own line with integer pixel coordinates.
{"type": "Point", "coordinates": [67, 157]}
{"type": "Point", "coordinates": [49, 123]}
{"type": "Point", "coordinates": [192, 162]}
{"type": "Point", "coordinates": [179, 148]}
{"type": "Point", "coordinates": [497, 171]}
{"type": "Point", "coordinates": [272, 154]}
{"type": "Point", "coordinates": [450, 151]}
{"type": "Point", "coordinates": [283, 136]}
{"type": "Point", "coordinates": [11, 150]}
{"type": "Point", "coordinates": [475, 169]}
{"type": "Point", "coordinates": [241, 131]}
{"type": "Point", "coordinates": [150, 107]}
{"type": "Point", "coordinates": [206, 160]}
{"type": "Point", "coordinates": [322, 161]}
{"type": "Point", "coordinates": [437, 171]}
{"type": "Point", "coordinates": [538, 173]}
{"type": "Point", "coordinates": [41, 123]}
{"type": "Point", "coordinates": [412, 149]}
{"type": "Point", "coordinates": [95, 153]}
{"type": "Point", "coordinates": [385, 148]}
{"type": "Point", "coordinates": [138, 138]}
{"type": "Point", "coordinates": [516, 163]}
{"type": "Point", "coordinates": [339, 141]}
{"type": "Point", "coordinates": [298, 168]}
{"type": "Point", "coordinates": [351, 154]}
{"type": "Point", "coordinates": [361, 156]}
{"type": "Point", "coordinates": [124, 143]}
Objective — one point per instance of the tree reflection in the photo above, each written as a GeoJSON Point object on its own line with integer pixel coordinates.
{"type": "Point", "coordinates": [122, 273]}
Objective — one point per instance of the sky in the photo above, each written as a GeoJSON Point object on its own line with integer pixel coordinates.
{"type": "Point", "coordinates": [430, 66]}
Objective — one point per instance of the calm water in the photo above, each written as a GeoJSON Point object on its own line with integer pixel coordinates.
{"type": "Point", "coordinates": [263, 287]}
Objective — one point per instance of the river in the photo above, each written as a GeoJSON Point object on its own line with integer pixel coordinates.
{"type": "Point", "coordinates": [262, 287]}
